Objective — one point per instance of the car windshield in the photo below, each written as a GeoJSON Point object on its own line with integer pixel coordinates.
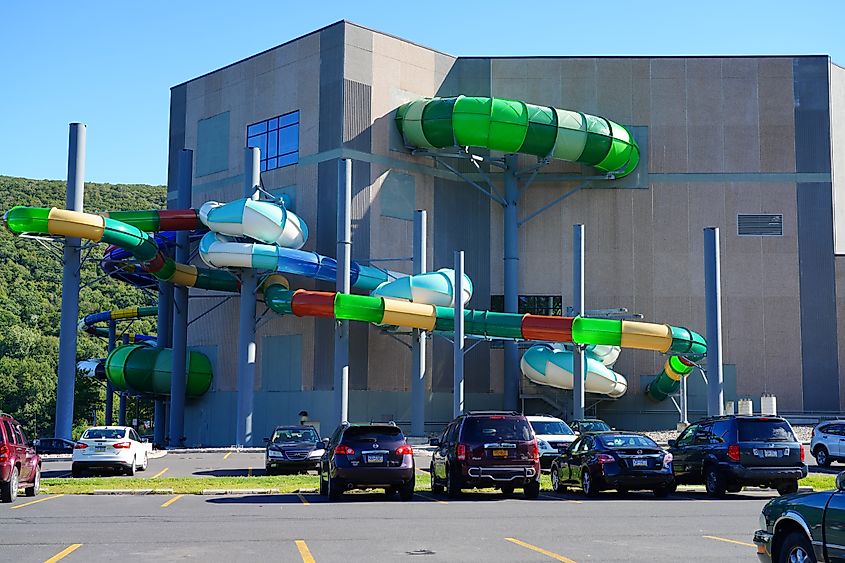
{"type": "Point", "coordinates": [550, 427]}
{"type": "Point", "coordinates": [593, 426]}
{"type": "Point", "coordinates": [627, 441]}
{"type": "Point", "coordinates": [282, 435]}
{"type": "Point", "coordinates": [104, 434]}
{"type": "Point", "coordinates": [477, 429]}
{"type": "Point", "coordinates": [765, 431]}
{"type": "Point", "coordinates": [373, 433]}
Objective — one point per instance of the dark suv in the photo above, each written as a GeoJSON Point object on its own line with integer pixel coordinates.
{"type": "Point", "coordinates": [486, 449]}
{"type": "Point", "coordinates": [726, 453]}
{"type": "Point", "coordinates": [367, 456]}
{"type": "Point", "coordinates": [19, 464]}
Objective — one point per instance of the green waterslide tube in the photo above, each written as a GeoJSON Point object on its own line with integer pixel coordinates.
{"type": "Point", "coordinates": [513, 126]}
{"type": "Point", "coordinates": [481, 323]}
{"type": "Point", "coordinates": [146, 370]}
{"type": "Point", "coordinates": [668, 380]}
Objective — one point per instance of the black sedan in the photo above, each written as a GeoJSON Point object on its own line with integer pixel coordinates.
{"type": "Point", "coordinates": [293, 449]}
{"type": "Point", "coordinates": [53, 446]}
{"type": "Point", "coordinates": [623, 461]}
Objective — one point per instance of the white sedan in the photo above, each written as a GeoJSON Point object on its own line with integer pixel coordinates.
{"type": "Point", "coordinates": [112, 447]}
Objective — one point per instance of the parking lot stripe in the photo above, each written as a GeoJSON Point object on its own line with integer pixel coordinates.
{"type": "Point", "coordinates": [431, 498]}
{"type": "Point", "coordinates": [160, 473]}
{"type": "Point", "coordinates": [50, 497]}
{"type": "Point", "coordinates": [304, 552]}
{"type": "Point", "coordinates": [553, 555]}
{"type": "Point", "coordinates": [302, 498]}
{"type": "Point", "coordinates": [717, 538]}
{"type": "Point", "coordinates": [227, 455]}
{"type": "Point", "coordinates": [64, 553]}
{"type": "Point", "coordinates": [171, 501]}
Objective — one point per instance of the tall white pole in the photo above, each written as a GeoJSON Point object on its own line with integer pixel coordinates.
{"type": "Point", "coordinates": [343, 285]}
{"type": "Point", "coordinates": [418, 337]}
{"type": "Point", "coordinates": [578, 359]}
{"type": "Point", "coordinates": [458, 379]}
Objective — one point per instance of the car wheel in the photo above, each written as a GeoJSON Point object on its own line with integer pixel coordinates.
{"type": "Point", "coordinates": [587, 484]}
{"type": "Point", "coordinates": [734, 488]}
{"type": "Point", "coordinates": [822, 457]}
{"type": "Point", "coordinates": [788, 487]}
{"type": "Point", "coordinates": [453, 484]}
{"type": "Point", "coordinates": [334, 488]}
{"type": "Point", "coordinates": [714, 482]}
{"type": "Point", "coordinates": [268, 470]}
{"type": "Point", "coordinates": [75, 471]}
{"type": "Point", "coordinates": [436, 488]}
{"type": "Point", "coordinates": [324, 486]}
{"type": "Point", "coordinates": [144, 465]}
{"type": "Point", "coordinates": [556, 484]}
{"type": "Point", "coordinates": [622, 491]}
{"type": "Point", "coordinates": [36, 484]}
{"type": "Point", "coordinates": [507, 490]}
{"type": "Point", "coordinates": [406, 491]}
{"type": "Point", "coordinates": [131, 469]}
{"type": "Point", "coordinates": [663, 491]}
{"type": "Point", "coordinates": [796, 548]}
{"type": "Point", "coordinates": [9, 489]}
{"type": "Point", "coordinates": [531, 490]}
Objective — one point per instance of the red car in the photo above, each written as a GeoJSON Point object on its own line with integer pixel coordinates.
{"type": "Point", "coordinates": [19, 464]}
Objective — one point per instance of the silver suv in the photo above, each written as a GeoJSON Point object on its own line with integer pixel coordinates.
{"type": "Point", "coordinates": [828, 443]}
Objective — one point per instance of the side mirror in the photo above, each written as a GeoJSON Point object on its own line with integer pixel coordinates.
{"type": "Point", "coordinates": [840, 481]}
{"type": "Point", "coordinates": [325, 441]}
{"type": "Point", "coordinates": [434, 442]}
{"type": "Point", "coordinates": [673, 443]}
{"type": "Point", "coordinates": [266, 440]}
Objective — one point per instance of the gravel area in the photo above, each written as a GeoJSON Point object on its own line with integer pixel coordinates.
{"type": "Point", "coordinates": [663, 436]}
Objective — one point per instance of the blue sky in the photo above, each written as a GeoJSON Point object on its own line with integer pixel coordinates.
{"type": "Point", "coordinates": [111, 64]}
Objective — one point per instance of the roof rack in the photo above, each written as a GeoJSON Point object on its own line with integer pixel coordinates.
{"type": "Point", "coordinates": [493, 412]}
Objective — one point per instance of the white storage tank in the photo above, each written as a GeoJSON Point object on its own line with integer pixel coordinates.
{"type": "Point", "coordinates": [745, 406]}
{"type": "Point", "coordinates": [729, 407]}
{"type": "Point", "coordinates": [768, 404]}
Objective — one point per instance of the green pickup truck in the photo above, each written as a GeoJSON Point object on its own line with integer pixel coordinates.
{"type": "Point", "coordinates": [804, 527]}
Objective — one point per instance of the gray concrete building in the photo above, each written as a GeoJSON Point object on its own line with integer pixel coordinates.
{"type": "Point", "coordinates": [753, 145]}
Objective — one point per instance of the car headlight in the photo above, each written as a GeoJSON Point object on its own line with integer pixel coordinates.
{"type": "Point", "coordinates": [544, 445]}
{"type": "Point", "coordinates": [316, 454]}
{"type": "Point", "coordinates": [762, 522]}
{"type": "Point", "coordinates": [274, 453]}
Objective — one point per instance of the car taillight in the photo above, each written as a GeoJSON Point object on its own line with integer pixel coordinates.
{"type": "Point", "coordinates": [343, 449]}
{"type": "Point", "coordinates": [405, 450]}
{"type": "Point", "coordinates": [801, 448]}
{"type": "Point", "coordinates": [605, 458]}
{"type": "Point", "coordinates": [535, 451]}
{"type": "Point", "coordinates": [4, 451]}
{"type": "Point", "coordinates": [80, 446]}
{"type": "Point", "coordinates": [461, 452]}
{"type": "Point", "coordinates": [733, 452]}
{"type": "Point", "coordinates": [122, 445]}
{"type": "Point", "coordinates": [667, 459]}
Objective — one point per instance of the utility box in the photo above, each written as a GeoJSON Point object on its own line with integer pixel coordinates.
{"type": "Point", "coordinates": [745, 407]}
{"type": "Point", "coordinates": [768, 404]}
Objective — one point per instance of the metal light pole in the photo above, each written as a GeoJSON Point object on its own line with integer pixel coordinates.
{"type": "Point", "coordinates": [713, 304]}
{"type": "Point", "coordinates": [578, 359]}
{"type": "Point", "coordinates": [70, 286]}
{"type": "Point", "coordinates": [458, 342]}
{"type": "Point", "coordinates": [343, 285]}
{"type": "Point", "coordinates": [418, 337]}
{"type": "Point", "coordinates": [109, 415]}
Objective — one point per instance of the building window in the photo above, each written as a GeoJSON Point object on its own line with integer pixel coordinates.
{"type": "Point", "coordinates": [533, 304]}
{"type": "Point", "coordinates": [277, 139]}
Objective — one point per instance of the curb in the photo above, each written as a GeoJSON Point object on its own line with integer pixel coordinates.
{"type": "Point", "coordinates": [217, 492]}
{"type": "Point", "coordinates": [136, 492]}
{"type": "Point", "coordinates": [214, 450]}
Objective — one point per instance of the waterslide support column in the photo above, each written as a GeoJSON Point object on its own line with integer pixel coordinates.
{"type": "Point", "coordinates": [109, 415]}
{"type": "Point", "coordinates": [246, 324]}
{"type": "Point", "coordinates": [70, 286]}
{"type": "Point", "coordinates": [578, 359]}
{"type": "Point", "coordinates": [713, 304]}
{"type": "Point", "coordinates": [458, 341]}
{"type": "Point", "coordinates": [179, 329]}
{"type": "Point", "coordinates": [163, 340]}
{"type": "Point", "coordinates": [418, 338]}
{"type": "Point", "coordinates": [121, 409]}
{"type": "Point", "coordinates": [511, 285]}
{"type": "Point", "coordinates": [343, 285]}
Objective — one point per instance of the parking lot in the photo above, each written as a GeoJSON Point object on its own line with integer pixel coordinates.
{"type": "Point", "coordinates": [369, 526]}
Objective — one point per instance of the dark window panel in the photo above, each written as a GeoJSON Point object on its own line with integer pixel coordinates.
{"type": "Point", "coordinates": [256, 129]}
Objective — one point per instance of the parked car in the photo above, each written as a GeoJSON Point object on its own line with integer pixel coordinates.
{"type": "Point", "coordinates": [53, 446]}
{"type": "Point", "coordinates": [804, 527]}
{"type": "Point", "coordinates": [726, 453]}
{"type": "Point", "coordinates": [20, 465]}
{"type": "Point", "coordinates": [589, 425]}
{"type": "Point", "coordinates": [293, 448]}
{"type": "Point", "coordinates": [622, 461]}
{"type": "Point", "coordinates": [486, 449]}
{"type": "Point", "coordinates": [828, 442]}
{"type": "Point", "coordinates": [553, 437]}
{"type": "Point", "coordinates": [367, 456]}
{"type": "Point", "coordinates": [110, 447]}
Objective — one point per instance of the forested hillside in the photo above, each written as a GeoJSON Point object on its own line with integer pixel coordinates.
{"type": "Point", "coordinates": [30, 299]}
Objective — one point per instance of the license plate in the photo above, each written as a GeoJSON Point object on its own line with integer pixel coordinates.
{"type": "Point", "coordinates": [640, 463]}
{"type": "Point", "coordinates": [500, 453]}
{"type": "Point", "coordinates": [99, 448]}
{"type": "Point", "coordinates": [375, 459]}
{"type": "Point", "coordinates": [771, 453]}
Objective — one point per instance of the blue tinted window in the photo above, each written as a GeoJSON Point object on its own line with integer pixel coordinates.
{"type": "Point", "coordinates": [278, 140]}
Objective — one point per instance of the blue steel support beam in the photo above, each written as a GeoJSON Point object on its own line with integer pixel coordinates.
{"type": "Point", "coordinates": [511, 286]}
{"type": "Point", "coordinates": [713, 305]}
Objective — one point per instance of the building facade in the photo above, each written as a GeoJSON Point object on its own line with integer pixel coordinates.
{"type": "Point", "coordinates": [753, 145]}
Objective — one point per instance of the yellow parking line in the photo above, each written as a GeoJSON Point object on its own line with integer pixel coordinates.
{"type": "Point", "coordinates": [51, 497]}
{"type": "Point", "coordinates": [432, 499]}
{"type": "Point", "coordinates": [547, 553]}
{"type": "Point", "coordinates": [302, 498]}
{"type": "Point", "coordinates": [717, 538]}
{"type": "Point", "coordinates": [160, 473]}
{"type": "Point", "coordinates": [227, 455]}
{"type": "Point", "coordinates": [304, 552]}
{"type": "Point", "coordinates": [64, 553]}
{"type": "Point", "coordinates": [171, 501]}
